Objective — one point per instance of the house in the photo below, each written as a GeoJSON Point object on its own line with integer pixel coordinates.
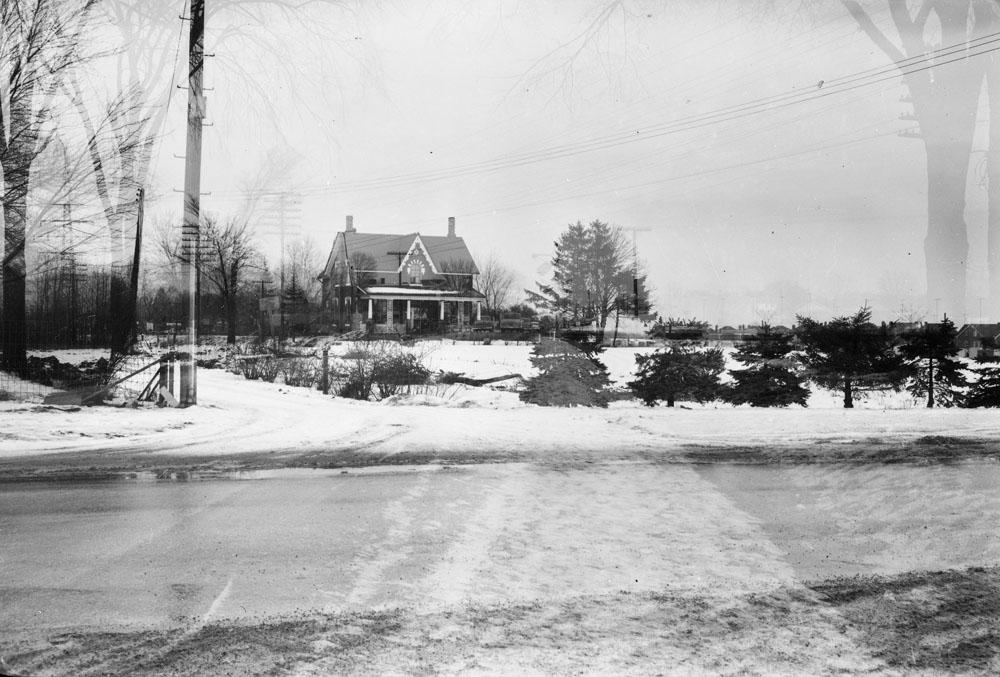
{"type": "Point", "coordinates": [400, 284]}
{"type": "Point", "coordinates": [972, 339]}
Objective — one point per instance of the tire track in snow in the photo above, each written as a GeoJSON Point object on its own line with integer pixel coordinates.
{"type": "Point", "coordinates": [370, 588]}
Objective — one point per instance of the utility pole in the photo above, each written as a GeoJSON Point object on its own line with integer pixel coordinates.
{"type": "Point", "coordinates": [191, 230]}
{"type": "Point", "coordinates": [140, 198]}
{"type": "Point", "coordinates": [635, 267]}
{"type": "Point", "coordinates": [285, 207]}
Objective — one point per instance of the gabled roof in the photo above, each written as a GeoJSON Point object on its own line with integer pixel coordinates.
{"type": "Point", "coordinates": [449, 253]}
{"type": "Point", "coordinates": [446, 253]}
{"type": "Point", "coordinates": [978, 330]}
{"type": "Point", "coordinates": [378, 247]}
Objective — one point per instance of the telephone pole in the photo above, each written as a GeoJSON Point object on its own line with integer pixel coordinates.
{"type": "Point", "coordinates": [281, 214]}
{"type": "Point", "coordinates": [191, 230]}
{"type": "Point", "coordinates": [635, 266]}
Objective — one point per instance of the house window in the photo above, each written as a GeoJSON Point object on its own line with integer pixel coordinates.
{"type": "Point", "coordinates": [416, 271]}
{"type": "Point", "coordinates": [381, 280]}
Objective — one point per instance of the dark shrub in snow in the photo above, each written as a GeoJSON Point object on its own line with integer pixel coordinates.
{"type": "Point", "coordinates": [678, 372]}
{"type": "Point", "coordinates": [567, 377]}
{"type": "Point", "coordinates": [770, 378]}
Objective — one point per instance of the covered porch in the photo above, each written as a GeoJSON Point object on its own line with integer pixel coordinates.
{"type": "Point", "coordinates": [399, 310]}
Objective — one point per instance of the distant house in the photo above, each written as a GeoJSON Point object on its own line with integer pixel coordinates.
{"type": "Point", "coordinates": [400, 284]}
{"type": "Point", "coordinates": [973, 339]}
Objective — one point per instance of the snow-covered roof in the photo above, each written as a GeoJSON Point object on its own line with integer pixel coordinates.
{"type": "Point", "coordinates": [420, 291]}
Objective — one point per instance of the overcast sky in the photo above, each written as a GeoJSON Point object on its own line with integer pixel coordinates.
{"type": "Point", "coordinates": [499, 113]}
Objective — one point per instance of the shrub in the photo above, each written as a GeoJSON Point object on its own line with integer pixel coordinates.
{"type": "Point", "coordinates": [771, 377]}
{"type": "Point", "coordinates": [300, 372]}
{"type": "Point", "coordinates": [679, 371]}
{"type": "Point", "coordinates": [396, 370]}
{"type": "Point", "coordinates": [985, 392]}
{"type": "Point", "coordinates": [567, 377]}
{"type": "Point", "coordinates": [381, 370]}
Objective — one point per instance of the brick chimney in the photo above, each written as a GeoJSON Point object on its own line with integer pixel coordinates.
{"type": "Point", "coordinates": [451, 226]}
{"type": "Point", "coordinates": [350, 224]}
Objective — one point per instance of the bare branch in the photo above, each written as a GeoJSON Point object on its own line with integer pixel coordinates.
{"type": "Point", "coordinates": [869, 27]}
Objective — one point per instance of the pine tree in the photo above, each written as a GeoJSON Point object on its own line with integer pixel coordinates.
{"type": "Point", "coordinates": [930, 354]}
{"type": "Point", "coordinates": [567, 377]}
{"type": "Point", "coordinates": [851, 354]}
{"type": "Point", "coordinates": [678, 372]}
{"type": "Point", "coordinates": [985, 392]}
{"type": "Point", "coordinates": [589, 267]}
{"type": "Point", "coordinates": [770, 379]}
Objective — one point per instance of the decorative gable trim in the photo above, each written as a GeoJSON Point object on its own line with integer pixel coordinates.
{"type": "Point", "coordinates": [331, 260]}
{"type": "Point", "coordinates": [413, 247]}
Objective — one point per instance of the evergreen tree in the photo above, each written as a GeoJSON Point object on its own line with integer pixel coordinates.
{"type": "Point", "coordinates": [678, 372]}
{"type": "Point", "coordinates": [985, 392]}
{"type": "Point", "coordinates": [770, 379]}
{"type": "Point", "coordinates": [567, 377]}
{"type": "Point", "coordinates": [589, 267]}
{"type": "Point", "coordinates": [930, 354]}
{"type": "Point", "coordinates": [851, 354]}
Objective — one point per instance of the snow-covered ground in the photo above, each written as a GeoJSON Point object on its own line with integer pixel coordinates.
{"type": "Point", "coordinates": [235, 415]}
{"type": "Point", "coordinates": [592, 553]}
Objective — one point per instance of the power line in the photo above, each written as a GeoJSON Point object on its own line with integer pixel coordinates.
{"type": "Point", "coordinates": [678, 177]}
{"type": "Point", "coordinates": [844, 84]}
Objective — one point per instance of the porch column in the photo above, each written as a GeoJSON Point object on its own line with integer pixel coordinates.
{"type": "Point", "coordinates": [371, 309]}
{"type": "Point", "coordinates": [479, 311]}
{"type": "Point", "coordinates": [441, 307]}
{"type": "Point", "coordinates": [409, 314]}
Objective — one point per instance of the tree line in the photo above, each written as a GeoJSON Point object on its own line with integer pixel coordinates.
{"type": "Point", "coordinates": [850, 355]}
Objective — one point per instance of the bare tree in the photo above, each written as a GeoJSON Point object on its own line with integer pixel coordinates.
{"type": "Point", "coordinates": [303, 262]}
{"type": "Point", "coordinates": [39, 44]}
{"type": "Point", "coordinates": [495, 282]}
{"type": "Point", "coordinates": [226, 252]}
{"type": "Point", "coordinates": [458, 273]}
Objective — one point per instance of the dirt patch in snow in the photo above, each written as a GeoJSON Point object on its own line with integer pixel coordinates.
{"type": "Point", "coordinates": [929, 449]}
{"type": "Point", "coordinates": [786, 632]}
{"type": "Point", "coordinates": [118, 464]}
{"type": "Point", "coordinates": [943, 621]}
{"type": "Point", "coordinates": [925, 622]}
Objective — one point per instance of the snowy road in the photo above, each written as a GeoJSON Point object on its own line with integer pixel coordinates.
{"type": "Point", "coordinates": [429, 538]}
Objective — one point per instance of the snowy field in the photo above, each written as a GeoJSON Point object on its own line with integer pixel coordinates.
{"type": "Point", "coordinates": [238, 416]}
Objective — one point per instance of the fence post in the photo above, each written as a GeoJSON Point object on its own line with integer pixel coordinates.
{"type": "Point", "coordinates": [325, 382]}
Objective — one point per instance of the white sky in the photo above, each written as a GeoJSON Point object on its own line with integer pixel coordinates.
{"type": "Point", "coordinates": [817, 203]}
